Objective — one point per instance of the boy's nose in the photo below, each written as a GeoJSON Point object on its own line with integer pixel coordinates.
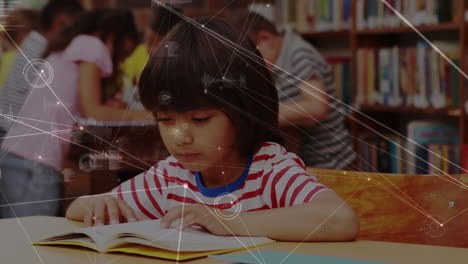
{"type": "Point", "coordinates": [182, 134]}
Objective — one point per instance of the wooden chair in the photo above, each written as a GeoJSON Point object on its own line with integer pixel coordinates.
{"type": "Point", "coordinates": [405, 208]}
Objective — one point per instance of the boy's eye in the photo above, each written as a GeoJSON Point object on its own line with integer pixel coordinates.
{"type": "Point", "coordinates": [163, 119]}
{"type": "Point", "coordinates": [204, 119]}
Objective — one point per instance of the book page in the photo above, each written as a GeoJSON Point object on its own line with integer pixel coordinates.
{"type": "Point", "coordinates": [149, 233]}
{"type": "Point", "coordinates": [71, 239]}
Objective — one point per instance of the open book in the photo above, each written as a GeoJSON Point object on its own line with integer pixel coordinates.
{"type": "Point", "coordinates": [148, 239]}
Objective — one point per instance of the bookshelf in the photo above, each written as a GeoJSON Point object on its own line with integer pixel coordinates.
{"type": "Point", "coordinates": [400, 30]}
{"type": "Point", "coordinates": [456, 112]}
{"type": "Point", "coordinates": [343, 36]}
{"type": "Point", "coordinates": [444, 21]}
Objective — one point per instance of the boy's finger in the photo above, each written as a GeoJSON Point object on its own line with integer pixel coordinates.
{"type": "Point", "coordinates": [99, 211]}
{"type": "Point", "coordinates": [113, 211]}
{"type": "Point", "coordinates": [173, 214]}
{"type": "Point", "coordinates": [188, 220]}
{"type": "Point", "coordinates": [88, 217]}
{"type": "Point", "coordinates": [139, 216]}
{"type": "Point", "coordinates": [127, 211]}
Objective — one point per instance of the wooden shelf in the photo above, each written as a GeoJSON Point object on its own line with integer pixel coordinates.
{"type": "Point", "coordinates": [320, 34]}
{"type": "Point", "coordinates": [405, 30]}
{"type": "Point", "coordinates": [455, 112]}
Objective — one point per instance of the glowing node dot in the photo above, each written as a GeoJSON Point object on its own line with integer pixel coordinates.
{"type": "Point", "coordinates": [40, 157]}
{"type": "Point", "coordinates": [81, 128]}
{"type": "Point", "coordinates": [222, 172]}
{"type": "Point", "coordinates": [441, 225]}
{"type": "Point", "coordinates": [344, 172]}
{"type": "Point", "coordinates": [203, 26]}
{"type": "Point", "coordinates": [58, 103]}
{"type": "Point", "coordinates": [224, 78]}
{"type": "Point", "coordinates": [268, 5]}
{"type": "Point", "coordinates": [368, 179]}
{"type": "Point", "coordinates": [219, 148]}
{"type": "Point", "coordinates": [167, 46]}
{"type": "Point", "coordinates": [185, 185]}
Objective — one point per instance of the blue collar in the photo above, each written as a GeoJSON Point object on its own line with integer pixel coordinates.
{"type": "Point", "coordinates": [218, 191]}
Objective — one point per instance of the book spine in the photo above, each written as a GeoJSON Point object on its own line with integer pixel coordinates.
{"type": "Point", "coordinates": [464, 163]}
{"type": "Point", "coordinates": [455, 84]}
{"type": "Point", "coordinates": [422, 156]}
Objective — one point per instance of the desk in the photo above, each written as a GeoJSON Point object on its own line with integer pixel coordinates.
{"type": "Point", "coordinates": [385, 205]}
{"type": "Point", "coordinates": [16, 248]}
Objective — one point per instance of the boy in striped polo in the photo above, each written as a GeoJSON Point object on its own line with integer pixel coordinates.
{"type": "Point", "coordinates": [217, 112]}
{"type": "Point", "coordinates": [306, 94]}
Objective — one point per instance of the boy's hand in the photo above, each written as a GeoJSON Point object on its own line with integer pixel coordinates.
{"type": "Point", "coordinates": [105, 209]}
{"type": "Point", "coordinates": [197, 215]}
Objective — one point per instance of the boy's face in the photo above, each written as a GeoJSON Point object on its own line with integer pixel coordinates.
{"type": "Point", "coordinates": [269, 46]}
{"type": "Point", "coordinates": [199, 139]}
{"type": "Point", "coordinates": [152, 40]}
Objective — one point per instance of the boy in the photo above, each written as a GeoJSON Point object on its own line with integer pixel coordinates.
{"type": "Point", "coordinates": [305, 88]}
{"type": "Point", "coordinates": [227, 174]}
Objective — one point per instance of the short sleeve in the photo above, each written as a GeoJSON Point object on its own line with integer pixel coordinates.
{"type": "Point", "coordinates": [90, 49]}
{"type": "Point", "coordinates": [287, 183]}
{"type": "Point", "coordinates": [145, 192]}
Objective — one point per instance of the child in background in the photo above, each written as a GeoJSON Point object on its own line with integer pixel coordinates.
{"type": "Point", "coordinates": [217, 110]}
{"type": "Point", "coordinates": [54, 17]}
{"type": "Point", "coordinates": [161, 23]}
{"type": "Point", "coordinates": [17, 26]}
{"type": "Point", "coordinates": [306, 93]}
{"type": "Point", "coordinates": [87, 51]}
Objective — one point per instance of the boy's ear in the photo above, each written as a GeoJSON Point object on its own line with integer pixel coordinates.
{"type": "Point", "coordinates": [264, 35]}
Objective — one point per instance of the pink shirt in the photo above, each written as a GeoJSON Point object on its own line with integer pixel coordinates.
{"type": "Point", "coordinates": [55, 109]}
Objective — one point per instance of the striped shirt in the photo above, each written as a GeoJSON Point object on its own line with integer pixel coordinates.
{"type": "Point", "coordinates": [327, 144]}
{"type": "Point", "coordinates": [273, 178]}
{"type": "Point", "coordinates": [16, 89]}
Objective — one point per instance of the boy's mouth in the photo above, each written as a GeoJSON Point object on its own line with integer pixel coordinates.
{"type": "Point", "coordinates": [186, 156]}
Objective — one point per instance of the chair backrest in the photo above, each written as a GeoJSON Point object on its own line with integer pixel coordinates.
{"type": "Point", "coordinates": [405, 208]}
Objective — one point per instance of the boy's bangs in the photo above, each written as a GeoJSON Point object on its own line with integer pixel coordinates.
{"type": "Point", "coordinates": [188, 75]}
{"type": "Point", "coordinates": [179, 85]}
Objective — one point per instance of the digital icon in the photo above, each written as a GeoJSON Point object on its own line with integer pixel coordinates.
{"type": "Point", "coordinates": [228, 206]}
{"type": "Point", "coordinates": [38, 73]}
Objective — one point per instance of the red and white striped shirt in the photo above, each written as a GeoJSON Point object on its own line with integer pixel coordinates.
{"type": "Point", "coordinates": [275, 178]}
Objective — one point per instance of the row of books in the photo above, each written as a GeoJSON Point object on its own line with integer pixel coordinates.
{"type": "Point", "coordinates": [384, 156]}
{"type": "Point", "coordinates": [373, 14]}
{"type": "Point", "coordinates": [341, 68]}
{"type": "Point", "coordinates": [317, 15]}
{"type": "Point", "coordinates": [409, 76]}
{"type": "Point", "coordinates": [429, 148]}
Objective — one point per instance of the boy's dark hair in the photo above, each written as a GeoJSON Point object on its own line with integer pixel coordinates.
{"type": "Point", "coordinates": [164, 20]}
{"type": "Point", "coordinates": [252, 23]}
{"type": "Point", "coordinates": [27, 18]}
{"type": "Point", "coordinates": [106, 22]}
{"type": "Point", "coordinates": [191, 77]}
{"type": "Point", "coordinates": [59, 7]}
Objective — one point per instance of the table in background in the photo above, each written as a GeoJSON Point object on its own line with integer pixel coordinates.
{"type": "Point", "coordinates": [119, 149]}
